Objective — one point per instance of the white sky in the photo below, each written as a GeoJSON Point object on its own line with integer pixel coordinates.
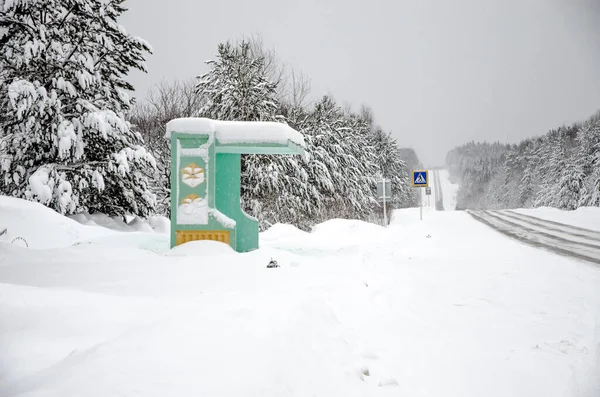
{"type": "Point", "coordinates": [437, 73]}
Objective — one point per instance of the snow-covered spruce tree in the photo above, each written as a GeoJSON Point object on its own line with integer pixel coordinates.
{"type": "Point", "coordinates": [309, 178]}
{"type": "Point", "coordinates": [63, 136]}
{"type": "Point", "coordinates": [587, 159]}
{"type": "Point", "coordinates": [391, 167]}
{"type": "Point", "coordinates": [554, 151]}
{"type": "Point", "coordinates": [594, 181]}
{"type": "Point", "coordinates": [569, 186]}
{"type": "Point", "coordinates": [340, 144]}
{"type": "Point", "coordinates": [237, 88]}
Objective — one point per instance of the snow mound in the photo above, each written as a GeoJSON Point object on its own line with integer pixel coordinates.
{"type": "Point", "coordinates": [282, 231]}
{"type": "Point", "coordinates": [331, 238]}
{"type": "Point", "coordinates": [140, 225]}
{"type": "Point", "coordinates": [155, 242]}
{"type": "Point", "coordinates": [112, 223]}
{"type": "Point", "coordinates": [30, 224]}
{"type": "Point", "coordinates": [347, 227]}
{"type": "Point", "coordinates": [83, 219]}
{"type": "Point", "coordinates": [201, 248]}
{"type": "Point", "coordinates": [37, 226]}
{"type": "Point", "coordinates": [160, 224]}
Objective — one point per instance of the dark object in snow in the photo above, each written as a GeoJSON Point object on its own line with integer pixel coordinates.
{"type": "Point", "coordinates": [272, 264]}
{"type": "Point", "coordinates": [3, 232]}
{"type": "Point", "coordinates": [20, 239]}
{"type": "Point", "coordinates": [428, 236]}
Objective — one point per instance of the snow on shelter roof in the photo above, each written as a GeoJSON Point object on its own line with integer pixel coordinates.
{"type": "Point", "coordinates": [237, 132]}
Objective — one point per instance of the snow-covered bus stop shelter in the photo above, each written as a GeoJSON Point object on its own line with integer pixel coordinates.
{"type": "Point", "coordinates": [205, 176]}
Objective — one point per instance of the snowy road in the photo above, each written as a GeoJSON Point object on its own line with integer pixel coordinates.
{"type": "Point", "coordinates": [439, 194]}
{"type": "Point", "coordinates": [554, 236]}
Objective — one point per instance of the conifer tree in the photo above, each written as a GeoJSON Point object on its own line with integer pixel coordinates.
{"type": "Point", "coordinates": [237, 88]}
{"type": "Point", "coordinates": [64, 140]}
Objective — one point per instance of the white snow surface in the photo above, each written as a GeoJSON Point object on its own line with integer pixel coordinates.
{"type": "Point", "coordinates": [585, 217]}
{"type": "Point", "coordinates": [439, 307]}
{"type": "Point", "coordinates": [230, 132]}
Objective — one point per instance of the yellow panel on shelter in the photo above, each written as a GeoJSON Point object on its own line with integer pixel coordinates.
{"type": "Point", "coordinates": [184, 236]}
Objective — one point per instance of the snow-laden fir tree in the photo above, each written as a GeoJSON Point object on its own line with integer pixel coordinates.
{"type": "Point", "coordinates": [569, 186]}
{"type": "Point", "coordinates": [554, 152]}
{"type": "Point", "coordinates": [340, 144]}
{"type": "Point", "coordinates": [586, 158]}
{"type": "Point", "coordinates": [64, 140]}
{"type": "Point", "coordinates": [237, 88]}
{"type": "Point", "coordinates": [529, 163]}
{"type": "Point", "coordinates": [594, 182]}
{"type": "Point", "coordinates": [391, 167]}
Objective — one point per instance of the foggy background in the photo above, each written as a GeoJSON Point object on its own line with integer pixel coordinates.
{"type": "Point", "coordinates": [436, 73]}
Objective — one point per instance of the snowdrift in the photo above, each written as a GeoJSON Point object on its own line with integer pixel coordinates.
{"type": "Point", "coordinates": [443, 306]}
{"type": "Point", "coordinates": [34, 225]}
{"type": "Point", "coordinates": [38, 226]}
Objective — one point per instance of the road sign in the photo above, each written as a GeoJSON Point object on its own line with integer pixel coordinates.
{"type": "Point", "coordinates": [380, 191]}
{"type": "Point", "coordinates": [420, 178]}
{"type": "Point", "coordinates": [428, 191]}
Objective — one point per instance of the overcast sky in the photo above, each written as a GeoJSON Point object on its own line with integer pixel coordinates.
{"type": "Point", "coordinates": [437, 73]}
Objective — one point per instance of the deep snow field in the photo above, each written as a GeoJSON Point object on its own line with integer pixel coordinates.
{"type": "Point", "coordinates": [439, 307]}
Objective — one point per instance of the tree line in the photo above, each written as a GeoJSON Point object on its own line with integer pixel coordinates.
{"type": "Point", "coordinates": [72, 138]}
{"type": "Point", "coordinates": [560, 169]}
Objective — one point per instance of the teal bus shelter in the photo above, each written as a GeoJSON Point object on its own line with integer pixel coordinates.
{"type": "Point", "coordinates": [205, 176]}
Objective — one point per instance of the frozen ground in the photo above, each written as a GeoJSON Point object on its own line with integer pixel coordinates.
{"type": "Point", "coordinates": [440, 307]}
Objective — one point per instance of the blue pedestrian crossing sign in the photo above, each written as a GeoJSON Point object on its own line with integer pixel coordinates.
{"type": "Point", "coordinates": [420, 178]}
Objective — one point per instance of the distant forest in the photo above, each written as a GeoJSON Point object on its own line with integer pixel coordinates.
{"type": "Point", "coordinates": [560, 169]}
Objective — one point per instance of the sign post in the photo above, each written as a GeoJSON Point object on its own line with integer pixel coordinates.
{"type": "Point", "coordinates": [428, 193]}
{"type": "Point", "coordinates": [420, 179]}
{"type": "Point", "coordinates": [384, 190]}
